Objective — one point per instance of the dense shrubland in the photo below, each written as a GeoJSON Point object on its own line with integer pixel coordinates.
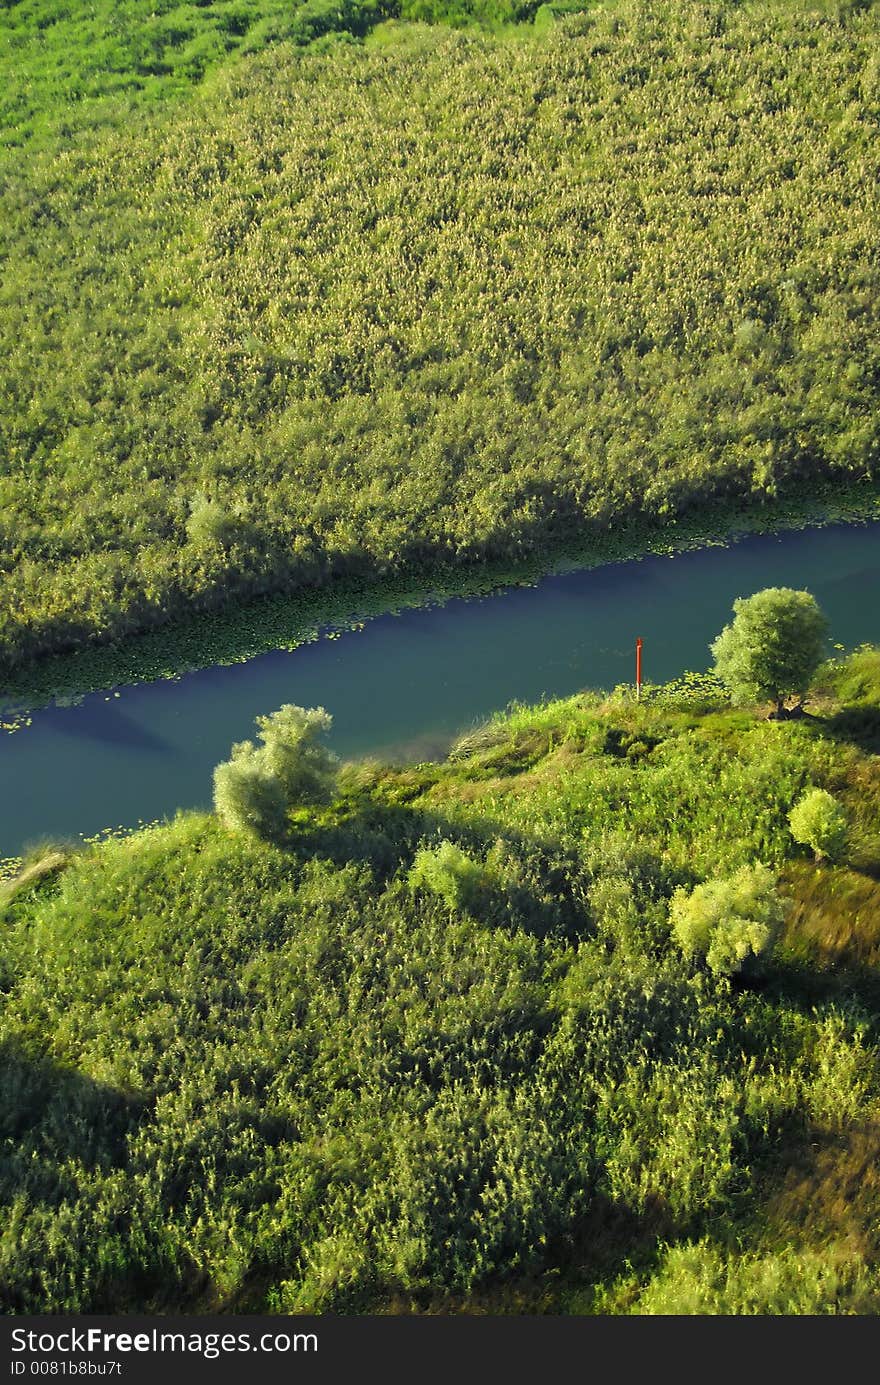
{"type": "Point", "coordinates": [432, 301]}
{"type": "Point", "coordinates": [63, 69]}
{"type": "Point", "coordinates": [443, 1046]}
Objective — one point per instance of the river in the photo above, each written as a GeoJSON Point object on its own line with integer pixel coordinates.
{"type": "Point", "coordinates": [404, 685]}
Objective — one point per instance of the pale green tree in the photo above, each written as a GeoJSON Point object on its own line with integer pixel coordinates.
{"type": "Point", "coordinates": [256, 788]}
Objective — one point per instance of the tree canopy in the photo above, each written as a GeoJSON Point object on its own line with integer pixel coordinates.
{"type": "Point", "coordinates": [773, 646]}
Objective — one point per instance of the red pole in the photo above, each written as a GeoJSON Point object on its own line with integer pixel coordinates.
{"type": "Point", "coordinates": [638, 669]}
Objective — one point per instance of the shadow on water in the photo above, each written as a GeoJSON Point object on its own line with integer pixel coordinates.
{"type": "Point", "coordinates": [100, 721]}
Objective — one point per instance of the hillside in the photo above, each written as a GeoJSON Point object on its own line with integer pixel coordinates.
{"type": "Point", "coordinates": [65, 69]}
{"type": "Point", "coordinates": [429, 299]}
{"type": "Point", "coordinates": [442, 1050]}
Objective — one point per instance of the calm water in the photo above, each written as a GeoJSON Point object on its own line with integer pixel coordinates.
{"type": "Point", "coordinates": [405, 685]}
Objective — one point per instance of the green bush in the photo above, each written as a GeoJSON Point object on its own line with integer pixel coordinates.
{"type": "Point", "coordinates": [447, 872]}
{"type": "Point", "coordinates": [820, 822]}
{"type": "Point", "coordinates": [258, 786]}
{"type": "Point", "coordinates": [305, 769]}
{"type": "Point", "coordinates": [728, 921]}
{"type": "Point", "coordinates": [246, 796]}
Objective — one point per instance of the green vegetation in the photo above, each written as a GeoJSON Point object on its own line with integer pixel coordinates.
{"type": "Point", "coordinates": [700, 1278]}
{"type": "Point", "coordinates": [440, 1049]}
{"type": "Point", "coordinates": [773, 647]}
{"type": "Point", "coordinates": [728, 922]}
{"type": "Point", "coordinates": [449, 873]}
{"type": "Point", "coordinates": [316, 299]}
{"type": "Point", "coordinates": [257, 789]}
{"type": "Point", "coordinates": [66, 68]}
{"type": "Point", "coordinates": [818, 821]}
{"type": "Point", "coordinates": [432, 300]}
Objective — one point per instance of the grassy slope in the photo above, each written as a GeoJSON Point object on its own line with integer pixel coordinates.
{"type": "Point", "coordinates": [434, 301]}
{"type": "Point", "coordinates": [65, 68]}
{"type": "Point", "coordinates": [237, 1076]}
{"type": "Point", "coordinates": [62, 65]}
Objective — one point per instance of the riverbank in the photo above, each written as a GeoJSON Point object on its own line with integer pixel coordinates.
{"type": "Point", "coordinates": [401, 1060]}
{"type": "Point", "coordinates": [422, 382]}
{"type": "Point", "coordinates": [402, 686]}
{"type": "Point", "coordinates": [287, 621]}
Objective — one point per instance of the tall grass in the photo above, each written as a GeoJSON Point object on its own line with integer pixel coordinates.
{"type": "Point", "coordinates": [307, 1078]}
{"type": "Point", "coordinates": [350, 313]}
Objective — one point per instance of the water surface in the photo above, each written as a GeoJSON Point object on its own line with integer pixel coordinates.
{"type": "Point", "coordinates": [404, 685]}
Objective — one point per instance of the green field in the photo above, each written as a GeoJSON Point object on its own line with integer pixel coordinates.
{"type": "Point", "coordinates": [65, 67]}
{"type": "Point", "coordinates": [426, 299]}
{"type": "Point", "coordinates": [350, 303]}
{"type": "Point", "coordinates": [300, 1077]}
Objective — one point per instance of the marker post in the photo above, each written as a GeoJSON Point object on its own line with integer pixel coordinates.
{"type": "Point", "coordinates": [638, 670]}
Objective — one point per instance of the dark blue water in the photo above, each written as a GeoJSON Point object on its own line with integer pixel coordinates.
{"type": "Point", "coordinates": [405, 685]}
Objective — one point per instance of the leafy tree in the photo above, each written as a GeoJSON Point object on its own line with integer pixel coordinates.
{"type": "Point", "coordinates": [304, 767]}
{"type": "Point", "coordinates": [772, 648]}
{"type": "Point", "coordinates": [447, 871]}
{"type": "Point", "coordinates": [256, 788]}
{"type": "Point", "coordinates": [819, 821]}
{"type": "Point", "coordinates": [728, 921]}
